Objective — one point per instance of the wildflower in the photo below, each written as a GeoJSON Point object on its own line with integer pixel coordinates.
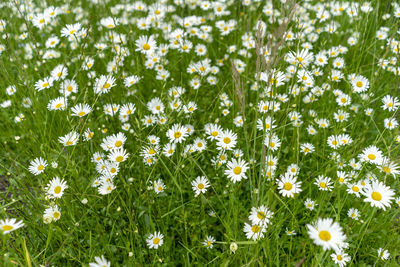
{"type": "Point", "coordinates": [290, 232]}
{"type": "Point", "coordinates": [100, 262]}
{"type": "Point", "coordinates": [104, 84]}
{"type": "Point", "coordinates": [155, 106]}
{"type": "Point", "coordinates": [155, 240]}
{"type": "Point", "coordinates": [109, 22]}
{"type": "Point", "coordinates": [390, 103]}
{"type": "Point", "coordinates": [255, 231]}
{"type": "Point", "coordinates": [340, 258]}
{"type": "Point", "coordinates": [354, 214]}
{"type": "Point", "coordinates": [371, 154]}
{"type": "Point", "coordinates": [208, 242]}
{"type": "Point", "coordinates": [360, 84]}
{"type": "Point", "coordinates": [288, 185]}
{"type": "Point", "coordinates": [118, 155]}
{"type": "Point", "coordinates": [355, 189]}
{"type": "Point", "coordinates": [200, 185]}
{"type": "Point", "coordinates": [390, 123]}
{"type": "Point", "coordinates": [327, 233]}
{"type": "Point", "coordinates": [37, 166]}
{"type": "Point", "coordinates": [378, 195]}
{"type": "Point", "coordinates": [236, 170]}
{"type": "Point", "coordinates": [9, 225]}
{"type": "Point", "coordinates": [59, 103]}
{"type": "Point", "coordinates": [70, 30]}
{"type": "Point", "coordinates": [260, 215]}
{"type": "Point", "coordinates": [177, 133]}
{"type": "Point", "coordinates": [272, 142]}
{"type": "Point", "coordinates": [226, 140]}
{"type": "Point", "coordinates": [145, 44]}
{"type": "Point", "coordinates": [169, 149]}
{"type": "Point", "coordinates": [67, 87]}
{"type": "Point", "coordinates": [307, 148]}
{"type": "Point", "coordinates": [70, 139]}
{"type": "Point", "coordinates": [59, 72]}
{"type": "Point", "coordinates": [81, 110]}
{"type": "Point", "coordinates": [106, 188]}
{"type": "Point", "coordinates": [159, 186]}
{"type": "Point", "coordinates": [131, 80]}
{"type": "Point", "coordinates": [45, 83]}
{"type": "Point", "coordinates": [88, 134]}
{"type": "Point", "coordinates": [56, 187]}
{"type": "Point", "coordinates": [52, 214]}
{"type": "Point", "coordinates": [389, 167]}
{"type": "Point", "coordinates": [383, 254]}
{"type": "Point", "coordinates": [324, 183]}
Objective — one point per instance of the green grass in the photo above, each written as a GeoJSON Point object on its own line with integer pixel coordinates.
{"type": "Point", "coordinates": [117, 225]}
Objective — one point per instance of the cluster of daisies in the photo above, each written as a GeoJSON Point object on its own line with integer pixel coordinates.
{"type": "Point", "coordinates": [277, 103]}
{"type": "Point", "coordinates": [108, 165]}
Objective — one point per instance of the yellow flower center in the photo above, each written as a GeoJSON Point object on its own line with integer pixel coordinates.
{"type": "Point", "coordinates": [177, 134]}
{"type": "Point", "coordinates": [271, 144]}
{"type": "Point", "coordinates": [200, 186]}
{"type": "Point", "coordinates": [118, 143]}
{"type": "Point", "coordinates": [45, 84]}
{"type": "Point", "coordinates": [82, 113]}
{"type": "Point", "coordinates": [255, 229]}
{"type": "Point", "coordinates": [227, 140]}
{"type": "Point", "coordinates": [119, 159]}
{"type": "Point", "coordinates": [355, 188]}
{"type": "Point", "coordinates": [146, 46]}
{"type": "Point", "coordinates": [339, 257]}
{"type": "Point", "coordinates": [214, 133]}
{"type": "Point", "coordinates": [322, 184]}
{"type": "Point", "coordinates": [57, 189]}
{"type": "Point", "coordinates": [386, 169]}
{"type": "Point", "coordinates": [376, 196]}
{"type": "Point", "coordinates": [371, 156]}
{"type": "Point", "coordinates": [7, 227]}
{"type": "Point", "coordinates": [56, 215]}
{"type": "Point", "coordinates": [359, 84]}
{"type": "Point", "coordinates": [58, 105]}
{"type": "Point", "coordinates": [260, 215]}
{"type": "Point", "coordinates": [106, 85]}
{"type": "Point", "coordinates": [237, 170]}
{"type": "Point", "coordinates": [156, 241]}
{"type": "Point", "coordinates": [287, 186]}
{"type": "Point", "coordinates": [324, 235]}
{"type": "Point", "coordinates": [69, 88]}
